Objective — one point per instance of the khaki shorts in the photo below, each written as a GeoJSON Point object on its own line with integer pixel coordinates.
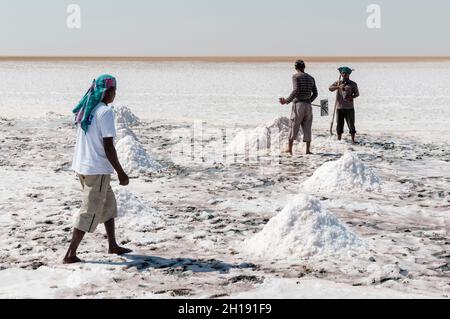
{"type": "Point", "coordinates": [301, 117]}
{"type": "Point", "coordinates": [98, 202]}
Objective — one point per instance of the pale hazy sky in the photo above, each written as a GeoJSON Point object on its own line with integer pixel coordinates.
{"type": "Point", "coordinates": [224, 27]}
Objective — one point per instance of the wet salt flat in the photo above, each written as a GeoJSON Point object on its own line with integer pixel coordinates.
{"type": "Point", "coordinates": [205, 218]}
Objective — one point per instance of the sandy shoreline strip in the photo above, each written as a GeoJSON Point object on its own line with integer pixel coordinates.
{"type": "Point", "coordinates": [232, 59]}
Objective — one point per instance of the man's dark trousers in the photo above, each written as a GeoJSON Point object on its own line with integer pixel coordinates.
{"type": "Point", "coordinates": [347, 115]}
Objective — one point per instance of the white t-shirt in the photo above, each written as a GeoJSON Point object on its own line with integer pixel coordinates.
{"type": "Point", "coordinates": [90, 157]}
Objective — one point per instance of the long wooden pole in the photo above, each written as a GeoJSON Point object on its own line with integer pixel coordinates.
{"type": "Point", "coordinates": [335, 106]}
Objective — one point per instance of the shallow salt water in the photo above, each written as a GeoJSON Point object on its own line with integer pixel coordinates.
{"type": "Point", "coordinates": [398, 98]}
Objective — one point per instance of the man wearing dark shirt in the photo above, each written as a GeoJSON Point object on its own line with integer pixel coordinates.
{"type": "Point", "coordinates": [347, 92]}
{"type": "Point", "coordinates": [304, 93]}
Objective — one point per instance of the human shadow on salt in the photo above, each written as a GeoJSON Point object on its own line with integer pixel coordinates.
{"type": "Point", "coordinates": [142, 263]}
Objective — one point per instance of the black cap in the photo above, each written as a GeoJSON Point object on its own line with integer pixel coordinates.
{"type": "Point", "coordinates": [299, 64]}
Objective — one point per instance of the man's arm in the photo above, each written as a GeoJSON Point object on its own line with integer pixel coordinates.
{"type": "Point", "coordinates": [111, 154]}
{"type": "Point", "coordinates": [315, 93]}
{"type": "Point", "coordinates": [294, 92]}
{"type": "Point", "coordinates": [334, 87]}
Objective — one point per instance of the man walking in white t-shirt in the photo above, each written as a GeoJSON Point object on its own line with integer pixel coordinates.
{"type": "Point", "coordinates": [94, 161]}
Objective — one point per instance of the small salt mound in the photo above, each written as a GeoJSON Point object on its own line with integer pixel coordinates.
{"type": "Point", "coordinates": [134, 158]}
{"type": "Point", "coordinates": [125, 117]}
{"type": "Point", "coordinates": [250, 141]}
{"type": "Point", "coordinates": [347, 174]}
{"type": "Point", "coordinates": [282, 124]}
{"type": "Point", "coordinates": [262, 138]}
{"type": "Point", "coordinates": [303, 230]}
{"type": "Point", "coordinates": [279, 132]}
{"type": "Point", "coordinates": [135, 212]}
{"type": "Point", "coordinates": [129, 204]}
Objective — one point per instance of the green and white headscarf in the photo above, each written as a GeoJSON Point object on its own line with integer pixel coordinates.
{"type": "Point", "coordinates": [95, 94]}
{"type": "Point", "coordinates": [345, 69]}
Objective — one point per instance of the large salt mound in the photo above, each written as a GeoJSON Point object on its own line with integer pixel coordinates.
{"type": "Point", "coordinates": [262, 138]}
{"type": "Point", "coordinates": [124, 131]}
{"type": "Point", "coordinates": [134, 158]}
{"type": "Point", "coordinates": [347, 174]}
{"type": "Point", "coordinates": [125, 117]}
{"type": "Point", "coordinates": [303, 230]}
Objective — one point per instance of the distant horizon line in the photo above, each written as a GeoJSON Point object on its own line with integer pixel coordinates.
{"type": "Point", "coordinates": [263, 59]}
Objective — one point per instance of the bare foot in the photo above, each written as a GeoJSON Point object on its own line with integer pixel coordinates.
{"type": "Point", "coordinates": [71, 260]}
{"type": "Point", "coordinates": [119, 250]}
{"type": "Point", "coordinates": [309, 153]}
{"type": "Point", "coordinates": [287, 152]}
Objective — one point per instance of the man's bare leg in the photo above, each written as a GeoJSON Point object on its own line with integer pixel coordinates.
{"type": "Point", "coordinates": [71, 255]}
{"type": "Point", "coordinates": [291, 146]}
{"type": "Point", "coordinates": [308, 148]}
{"type": "Point", "coordinates": [353, 138]}
{"type": "Point", "coordinates": [114, 248]}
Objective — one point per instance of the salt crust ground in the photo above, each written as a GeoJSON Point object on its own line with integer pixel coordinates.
{"type": "Point", "coordinates": [187, 222]}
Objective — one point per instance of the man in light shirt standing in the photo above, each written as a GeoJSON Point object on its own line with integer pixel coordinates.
{"type": "Point", "coordinates": [94, 161]}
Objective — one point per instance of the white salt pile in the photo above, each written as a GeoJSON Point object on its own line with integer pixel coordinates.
{"type": "Point", "coordinates": [129, 204]}
{"type": "Point", "coordinates": [124, 131]}
{"type": "Point", "coordinates": [132, 155]}
{"type": "Point", "coordinates": [347, 174]}
{"type": "Point", "coordinates": [279, 132]}
{"type": "Point", "coordinates": [125, 117]}
{"type": "Point", "coordinates": [303, 230]}
{"type": "Point", "coordinates": [282, 124]}
{"type": "Point", "coordinates": [262, 138]}
{"type": "Point", "coordinates": [249, 141]}
{"type": "Point", "coordinates": [134, 158]}
{"type": "Point", "coordinates": [135, 212]}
